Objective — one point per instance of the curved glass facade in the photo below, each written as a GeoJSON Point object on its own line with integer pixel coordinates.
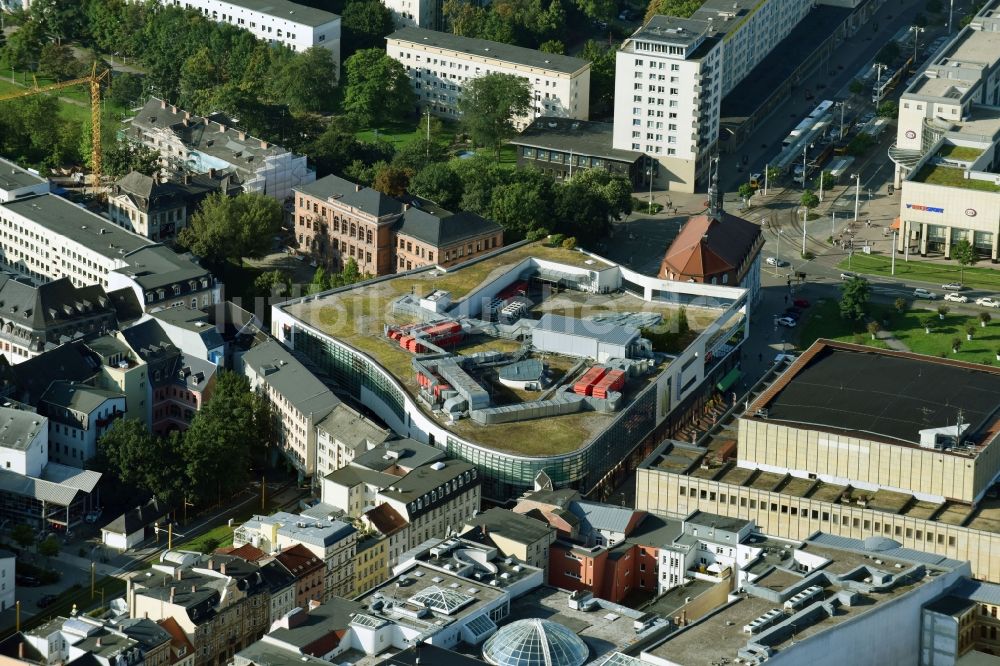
{"type": "Point", "coordinates": [535, 642]}
{"type": "Point", "coordinates": [504, 475]}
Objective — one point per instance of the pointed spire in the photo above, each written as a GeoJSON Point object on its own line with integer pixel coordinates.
{"type": "Point", "coordinates": [714, 196]}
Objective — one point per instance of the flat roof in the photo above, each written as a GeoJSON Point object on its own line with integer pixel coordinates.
{"type": "Point", "coordinates": [13, 177]}
{"type": "Point", "coordinates": [290, 11]}
{"type": "Point", "coordinates": [672, 30]}
{"type": "Point", "coordinates": [18, 429]}
{"type": "Point", "coordinates": [579, 137]}
{"type": "Point", "coordinates": [484, 48]}
{"type": "Point", "coordinates": [884, 395]}
{"type": "Point", "coordinates": [79, 225]}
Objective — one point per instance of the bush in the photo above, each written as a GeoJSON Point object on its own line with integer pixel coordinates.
{"type": "Point", "coordinates": [555, 240]}
{"type": "Point", "coordinates": [808, 256]}
{"type": "Point", "coordinates": [569, 243]}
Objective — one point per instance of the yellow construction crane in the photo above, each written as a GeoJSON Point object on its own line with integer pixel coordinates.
{"type": "Point", "coordinates": [95, 111]}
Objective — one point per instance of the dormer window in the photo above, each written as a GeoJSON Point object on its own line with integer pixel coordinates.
{"type": "Point", "coordinates": [177, 290]}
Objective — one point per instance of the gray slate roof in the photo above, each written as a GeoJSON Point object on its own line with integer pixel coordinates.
{"type": "Point", "coordinates": [286, 375]}
{"type": "Point", "coordinates": [291, 11]}
{"type": "Point", "coordinates": [78, 398]}
{"type": "Point", "coordinates": [19, 428]}
{"type": "Point", "coordinates": [158, 266]}
{"type": "Point", "coordinates": [349, 426]}
{"type": "Point", "coordinates": [442, 228]}
{"type": "Point", "coordinates": [13, 177]}
{"type": "Point", "coordinates": [136, 519]}
{"type": "Point", "coordinates": [514, 526]}
{"type": "Point", "coordinates": [580, 137]}
{"type": "Point", "coordinates": [408, 453]}
{"type": "Point", "coordinates": [608, 333]}
{"type": "Point", "coordinates": [333, 615]}
{"type": "Point", "coordinates": [363, 198]}
{"type": "Point", "coordinates": [487, 49]}
{"type": "Point", "coordinates": [602, 516]}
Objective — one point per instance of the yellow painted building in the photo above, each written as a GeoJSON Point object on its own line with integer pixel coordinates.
{"type": "Point", "coordinates": [371, 564]}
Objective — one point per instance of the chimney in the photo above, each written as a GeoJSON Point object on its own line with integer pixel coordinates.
{"type": "Point", "coordinates": [173, 109]}
{"type": "Point", "coordinates": [263, 144]}
{"type": "Point", "coordinates": [357, 187]}
{"type": "Point", "coordinates": [243, 136]}
{"type": "Point", "coordinates": [187, 116]}
{"type": "Point", "coordinates": [172, 595]}
{"type": "Point", "coordinates": [313, 605]}
{"type": "Point", "coordinates": [187, 123]}
{"type": "Point", "coordinates": [163, 103]}
{"type": "Point", "coordinates": [222, 568]}
{"type": "Point", "coordinates": [98, 641]}
{"type": "Point", "coordinates": [187, 179]}
{"type": "Point", "coordinates": [20, 650]}
{"type": "Point", "coordinates": [211, 173]}
{"type": "Point", "coordinates": [406, 206]}
{"type": "Point", "coordinates": [179, 572]}
{"type": "Point", "coordinates": [211, 563]}
{"type": "Point", "coordinates": [222, 128]}
{"type": "Point", "coordinates": [194, 588]}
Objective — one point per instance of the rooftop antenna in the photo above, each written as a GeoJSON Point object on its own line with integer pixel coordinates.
{"type": "Point", "coordinates": [958, 429]}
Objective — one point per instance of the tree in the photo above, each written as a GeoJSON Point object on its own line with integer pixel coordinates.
{"type": "Point", "coordinates": [377, 88]}
{"type": "Point", "coordinates": [307, 82]}
{"type": "Point", "coordinates": [553, 46]}
{"type": "Point", "coordinates": [524, 208]}
{"type": "Point", "coordinates": [942, 311]}
{"type": "Point", "coordinates": [418, 155]}
{"type": "Point", "coordinates": [391, 180]}
{"type": "Point", "coordinates": [365, 24]}
{"type": "Point", "coordinates": [888, 54]}
{"type": "Point", "coordinates": [956, 344]}
{"type": "Point", "coordinates": [900, 304]}
{"type": "Point", "coordinates": [984, 319]}
{"type": "Point", "coordinates": [23, 535]}
{"type": "Point", "coordinates": [746, 191]}
{"type": "Point", "coordinates": [678, 8]}
{"type": "Point", "coordinates": [888, 109]}
{"type": "Point", "coordinates": [602, 75]}
{"type": "Point", "coordinates": [139, 460]}
{"type": "Point", "coordinates": [127, 90]}
{"type": "Point", "coordinates": [489, 104]}
{"type": "Point", "coordinates": [873, 328]}
{"type": "Point", "coordinates": [439, 183]}
{"type": "Point", "coordinates": [58, 62]}
{"type": "Point", "coordinates": [587, 202]}
{"type": "Point", "coordinates": [199, 76]}
{"type": "Point", "coordinates": [124, 157]}
{"type": "Point", "coordinates": [58, 19]}
{"type": "Point", "coordinates": [860, 144]}
{"type": "Point", "coordinates": [49, 548]}
{"type": "Point", "coordinates": [233, 227]}
{"type": "Point", "coordinates": [24, 46]}
{"type": "Point", "coordinates": [965, 254]}
{"type": "Point", "coordinates": [854, 295]}
{"type": "Point", "coordinates": [856, 87]}
{"type": "Point", "coordinates": [274, 283]}
{"type": "Point", "coordinates": [809, 199]}
{"type": "Point", "coordinates": [596, 9]}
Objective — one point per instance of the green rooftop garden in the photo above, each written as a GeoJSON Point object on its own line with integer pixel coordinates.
{"type": "Point", "coordinates": [936, 174]}
{"type": "Point", "coordinates": [961, 153]}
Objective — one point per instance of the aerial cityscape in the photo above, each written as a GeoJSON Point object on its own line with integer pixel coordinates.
{"type": "Point", "coordinates": [506, 332]}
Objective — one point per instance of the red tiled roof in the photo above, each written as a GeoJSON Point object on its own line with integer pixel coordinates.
{"type": "Point", "coordinates": [708, 245]}
{"type": "Point", "coordinates": [299, 560]}
{"type": "Point", "coordinates": [385, 519]}
{"type": "Point", "coordinates": [178, 639]}
{"type": "Point", "coordinates": [247, 552]}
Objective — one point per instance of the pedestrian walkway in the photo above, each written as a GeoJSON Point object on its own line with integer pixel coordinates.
{"type": "Point", "coordinates": [891, 340]}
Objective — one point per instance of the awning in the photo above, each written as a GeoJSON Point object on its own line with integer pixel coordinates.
{"type": "Point", "coordinates": [896, 224]}
{"type": "Point", "coordinates": [731, 378]}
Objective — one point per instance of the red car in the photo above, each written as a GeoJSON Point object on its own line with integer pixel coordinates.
{"type": "Point", "coordinates": [801, 303]}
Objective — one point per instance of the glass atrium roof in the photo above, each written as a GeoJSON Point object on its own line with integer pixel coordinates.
{"type": "Point", "coordinates": [440, 599]}
{"type": "Point", "coordinates": [535, 642]}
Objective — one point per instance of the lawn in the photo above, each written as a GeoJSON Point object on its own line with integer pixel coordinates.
{"type": "Point", "coordinates": [401, 134]}
{"type": "Point", "coordinates": [936, 174]}
{"type": "Point", "coordinates": [961, 153]}
{"type": "Point", "coordinates": [925, 271]}
{"type": "Point", "coordinates": [823, 321]}
{"type": "Point", "coordinates": [217, 537]}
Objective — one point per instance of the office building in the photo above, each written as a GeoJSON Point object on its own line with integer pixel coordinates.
{"type": "Point", "coordinates": [440, 63]}
{"type": "Point", "coordinates": [343, 435]}
{"type": "Point", "coordinates": [194, 144]}
{"type": "Point", "coordinates": [946, 150]}
{"type": "Point", "coordinates": [16, 182]}
{"type": "Point", "coordinates": [297, 26]}
{"type": "Point", "coordinates": [845, 441]}
{"type": "Point", "coordinates": [337, 221]}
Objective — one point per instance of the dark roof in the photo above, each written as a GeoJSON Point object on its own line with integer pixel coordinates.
{"type": "Point", "coordinates": [580, 137]}
{"type": "Point", "coordinates": [126, 305]}
{"type": "Point", "coordinates": [147, 633]}
{"type": "Point", "coordinates": [137, 519]}
{"type": "Point", "coordinates": [406, 453]}
{"type": "Point", "coordinates": [515, 526]}
{"type": "Point", "coordinates": [10, 645]}
{"type": "Point", "coordinates": [882, 394]}
{"type": "Point", "coordinates": [72, 361]}
{"type": "Point", "coordinates": [148, 193]}
{"type": "Point", "coordinates": [363, 198]}
{"type": "Point", "coordinates": [299, 560]}
{"type": "Point", "coordinates": [778, 66]}
{"type": "Point", "coordinates": [288, 10]}
{"type": "Point", "coordinates": [425, 653]}
{"type": "Point", "coordinates": [320, 629]}
{"type": "Point", "coordinates": [441, 228]}
{"type": "Point", "coordinates": [276, 576]}
{"type": "Point", "coordinates": [157, 266]}
{"type": "Point", "coordinates": [53, 303]}
{"type": "Point", "coordinates": [13, 177]}
{"type": "Point", "coordinates": [950, 605]}
{"type": "Point", "coordinates": [710, 245]}
{"type": "Point", "coordinates": [487, 49]}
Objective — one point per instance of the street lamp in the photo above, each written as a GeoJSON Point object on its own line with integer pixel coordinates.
{"type": "Point", "coordinates": [805, 217]}
{"type": "Point", "coordinates": [857, 194]}
{"type": "Point", "coordinates": [777, 252]}
{"type": "Point", "coordinates": [916, 30]}
{"type": "Point", "coordinates": [649, 172]}
{"type": "Point", "coordinates": [805, 148]}
{"type": "Point", "coordinates": [951, 10]}
{"type": "Point", "coordinates": [877, 97]}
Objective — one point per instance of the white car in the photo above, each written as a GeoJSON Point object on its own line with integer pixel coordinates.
{"type": "Point", "coordinates": [786, 321]}
{"type": "Point", "coordinates": [956, 298]}
{"type": "Point", "coordinates": [953, 286]}
{"type": "Point", "coordinates": [988, 302]}
{"type": "Point", "coordinates": [923, 293]}
{"type": "Point", "coordinates": [774, 261]}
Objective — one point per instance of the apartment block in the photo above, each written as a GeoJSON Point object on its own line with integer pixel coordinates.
{"type": "Point", "coordinates": [415, 13]}
{"type": "Point", "coordinates": [513, 535]}
{"type": "Point", "coordinates": [78, 415]}
{"type": "Point", "coordinates": [212, 144]}
{"type": "Point", "coordinates": [439, 64]}
{"type": "Point", "coordinates": [343, 435]}
{"type": "Point", "coordinates": [299, 399]}
{"type": "Point", "coordinates": [297, 26]}
{"type": "Point", "coordinates": [16, 182]}
{"type": "Point", "coordinates": [332, 541]}
{"type": "Point", "coordinates": [337, 220]}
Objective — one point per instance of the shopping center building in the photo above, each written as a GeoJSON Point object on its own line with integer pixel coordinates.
{"type": "Point", "coordinates": [946, 151]}
{"type": "Point", "coordinates": [426, 351]}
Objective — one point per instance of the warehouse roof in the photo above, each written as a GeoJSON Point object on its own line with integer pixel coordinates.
{"type": "Point", "coordinates": [13, 177]}
{"type": "Point", "coordinates": [18, 429]}
{"type": "Point", "coordinates": [885, 394]}
{"type": "Point", "coordinates": [484, 48]}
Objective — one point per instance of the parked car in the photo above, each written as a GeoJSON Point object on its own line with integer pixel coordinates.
{"type": "Point", "coordinates": [46, 600]}
{"type": "Point", "coordinates": [27, 581]}
{"type": "Point", "coordinates": [787, 321]}
{"type": "Point", "coordinates": [956, 298]}
{"type": "Point", "coordinates": [800, 303]}
{"type": "Point", "coordinates": [988, 302]}
{"type": "Point", "coordinates": [846, 275]}
{"type": "Point", "coordinates": [923, 293]}
{"type": "Point", "coordinates": [953, 286]}
{"type": "Point", "coordinates": [779, 263]}
{"type": "Point", "coordinates": [794, 313]}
